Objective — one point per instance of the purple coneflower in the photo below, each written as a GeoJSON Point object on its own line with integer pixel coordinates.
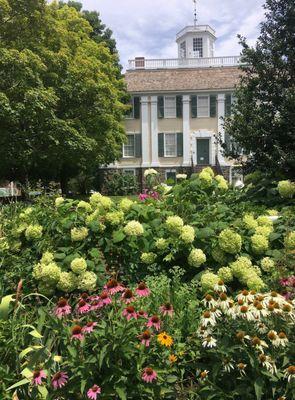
{"type": "Point", "coordinates": [89, 327]}
{"type": "Point", "coordinates": [142, 290]}
{"type": "Point", "coordinates": [77, 332]}
{"type": "Point", "coordinates": [105, 299]}
{"type": "Point", "coordinates": [142, 314]}
{"type": "Point", "coordinates": [127, 296]}
{"type": "Point", "coordinates": [62, 308]}
{"type": "Point", "coordinates": [149, 375]}
{"type": "Point", "coordinates": [59, 380]}
{"type": "Point", "coordinates": [96, 305]}
{"type": "Point", "coordinates": [145, 338]}
{"type": "Point", "coordinates": [155, 322]}
{"type": "Point", "coordinates": [113, 287]}
{"type": "Point", "coordinates": [83, 307]}
{"type": "Point", "coordinates": [167, 309]}
{"type": "Point", "coordinates": [129, 312]}
{"type": "Point", "coordinates": [38, 375]}
{"type": "Point", "coordinates": [93, 392]}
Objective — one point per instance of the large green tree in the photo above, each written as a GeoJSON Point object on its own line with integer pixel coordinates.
{"type": "Point", "coordinates": [61, 92]}
{"type": "Point", "coordinates": [263, 121]}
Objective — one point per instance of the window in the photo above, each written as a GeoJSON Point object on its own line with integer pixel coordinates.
{"type": "Point", "coordinates": [183, 50]}
{"type": "Point", "coordinates": [130, 114]}
{"type": "Point", "coordinates": [134, 112]}
{"type": "Point", "coordinates": [170, 106]}
{"type": "Point", "coordinates": [129, 147]}
{"type": "Point", "coordinates": [203, 106]}
{"type": "Point", "coordinates": [129, 171]}
{"type": "Point", "coordinates": [170, 145]}
{"type": "Point", "coordinates": [198, 47]}
{"type": "Point", "coordinates": [170, 174]}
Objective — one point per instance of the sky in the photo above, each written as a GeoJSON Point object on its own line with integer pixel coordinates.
{"type": "Point", "coordinates": [147, 28]}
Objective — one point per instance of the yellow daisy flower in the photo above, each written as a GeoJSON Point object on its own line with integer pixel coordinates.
{"type": "Point", "coordinates": [165, 340]}
{"type": "Point", "coordinates": [172, 358]}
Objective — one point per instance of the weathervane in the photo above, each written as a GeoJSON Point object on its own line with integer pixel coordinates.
{"type": "Point", "coordinates": [195, 13]}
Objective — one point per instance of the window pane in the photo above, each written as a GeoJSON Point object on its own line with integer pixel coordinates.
{"type": "Point", "coordinates": [183, 50]}
{"type": "Point", "coordinates": [170, 145]}
{"type": "Point", "coordinates": [203, 106]}
{"type": "Point", "coordinates": [198, 47]}
{"type": "Point", "coordinates": [131, 111]}
{"type": "Point", "coordinates": [129, 147]}
{"type": "Point", "coordinates": [170, 107]}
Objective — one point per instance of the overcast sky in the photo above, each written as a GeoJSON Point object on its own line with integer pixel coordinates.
{"type": "Point", "coordinates": [148, 27]}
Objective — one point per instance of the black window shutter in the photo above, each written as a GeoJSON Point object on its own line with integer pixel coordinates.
{"type": "Point", "coordinates": [136, 101]}
{"type": "Point", "coordinates": [161, 144]}
{"type": "Point", "coordinates": [179, 106]}
{"type": "Point", "coordinates": [228, 105]}
{"type": "Point", "coordinates": [194, 106]}
{"type": "Point", "coordinates": [137, 145]}
{"type": "Point", "coordinates": [179, 144]}
{"type": "Point", "coordinates": [213, 103]}
{"type": "Point", "coordinates": [160, 107]}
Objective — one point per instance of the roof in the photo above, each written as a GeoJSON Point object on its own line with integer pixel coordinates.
{"type": "Point", "coordinates": [182, 80]}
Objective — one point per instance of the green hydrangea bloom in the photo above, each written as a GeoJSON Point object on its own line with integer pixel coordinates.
{"type": "Point", "coordinates": [196, 258]}
{"type": "Point", "coordinates": [87, 281]}
{"type": "Point", "coordinates": [219, 255]}
{"type": "Point", "coordinates": [208, 281]}
{"type": "Point", "coordinates": [59, 201]}
{"type": "Point", "coordinates": [105, 202]}
{"type": "Point", "coordinates": [289, 241]}
{"type": "Point", "coordinates": [26, 214]}
{"type": "Point", "coordinates": [78, 234]}
{"type": "Point", "coordinates": [174, 224]}
{"type": "Point", "coordinates": [267, 264]}
{"type": "Point", "coordinates": [187, 234]}
{"type": "Point", "coordinates": [264, 230]}
{"type": "Point", "coordinates": [37, 271]}
{"type": "Point", "coordinates": [47, 258]}
{"type": "Point", "coordinates": [78, 266]}
{"type": "Point", "coordinates": [67, 282]}
{"type": "Point", "coordinates": [259, 244]}
{"type": "Point", "coordinates": [83, 205]}
{"type": "Point", "coordinates": [240, 267]}
{"type": "Point", "coordinates": [133, 228]}
{"type": "Point", "coordinates": [148, 258]}
{"type": "Point", "coordinates": [115, 217]}
{"type": "Point", "coordinates": [249, 221]}
{"type": "Point", "coordinates": [230, 241]}
{"type": "Point", "coordinates": [264, 220]}
{"type": "Point", "coordinates": [225, 274]}
{"type": "Point", "coordinates": [95, 199]}
{"type": "Point", "coordinates": [125, 204]}
{"type": "Point", "coordinates": [17, 232]}
{"type": "Point", "coordinates": [286, 189]}
{"type": "Point", "coordinates": [272, 213]}
{"type": "Point", "coordinates": [4, 245]}
{"type": "Point", "coordinates": [209, 170]}
{"type": "Point", "coordinates": [50, 273]}
{"type": "Point", "coordinates": [257, 270]}
{"type": "Point", "coordinates": [254, 282]}
{"type": "Point", "coordinates": [222, 183]}
{"type": "Point", "coordinates": [33, 232]}
{"type": "Point", "coordinates": [206, 178]}
{"type": "Point", "coordinates": [162, 244]}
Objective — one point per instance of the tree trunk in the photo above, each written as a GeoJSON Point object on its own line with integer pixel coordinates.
{"type": "Point", "coordinates": [64, 185]}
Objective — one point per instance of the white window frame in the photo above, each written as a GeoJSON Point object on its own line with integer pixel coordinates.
{"type": "Point", "coordinates": [129, 170]}
{"type": "Point", "coordinates": [169, 116]}
{"type": "Point", "coordinates": [175, 135]}
{"type": "Point", "coordinates": [208, 104]}
{"type": "Point", "coordinates": [198, 51]}
{"type": "Point", "coordinates": [131, 116]}
{"type": "Point", "coordinates": [124, 144]}
{"type": "Point", "coordinates": [167, 171]}
{"type": "Point", "coordinates": [183, 49]}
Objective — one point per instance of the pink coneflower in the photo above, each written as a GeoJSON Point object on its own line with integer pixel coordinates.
{"type": "Point", "coordinates": [83, 307]}
{"type": "Point", "coordinates": [105, 299]}
{"type": "Point", "coordinates": [167, 309]}
{"type": "Point", "coordinates": [93, 392]}
{"type": "Point", "coordinates": [142, 290]}
{"type": "Point", "coordinates": [113, 287]}
{"type": "Point", "coordinates": [143, 196]}
{"type": "Point", "coordinates": [89, 327]}
{"type": "Point", "coordinates": [129, 312]}
{"type": "Point", "coordinates": [77, 332]}
{"type": "Point", "coordinates": [142, 314]}
{"type": "Point", "coordinates": [62, 308]}
{"type": "Point", "coordinates": [155, 195]}
{"type": "Point", "coordinates": [149, 375]}
{"type": "Point", "coordinates": [155, 322]}
{"type": "Point", "coordinates": [59, 380]}
{"type": "Point", "coordinates": [127, 296]}
{"type": "Point", "coordinates": [95, 305]}
{"type": "Point", "coordinates": [145, 338]}
{"type": "Point", "coordinates": [38, 375]}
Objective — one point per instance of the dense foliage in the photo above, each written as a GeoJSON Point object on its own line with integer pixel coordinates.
{"type": "Point", "coordinates": [263, 121]}
{"type": "Point", "coordinates": [186, 293]}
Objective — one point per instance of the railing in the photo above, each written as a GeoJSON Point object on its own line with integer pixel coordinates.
{"type": "Point", "coordinates": [172, 63]}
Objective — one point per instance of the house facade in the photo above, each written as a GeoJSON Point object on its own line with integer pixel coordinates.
{"type": "Point", "coordinates": [178, 106]}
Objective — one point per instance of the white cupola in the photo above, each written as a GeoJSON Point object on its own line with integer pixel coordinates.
{"type": "Point", "coordinates": [196, 41]}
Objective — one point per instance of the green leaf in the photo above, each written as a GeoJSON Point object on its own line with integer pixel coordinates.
{"type": "Point", "coordinates": [43, 391]}
{"type": "Point", "coordinates": [35, 334]}
{"type": "Point", "coordinates": [118, 236]}
{"type": "Point", "coordinates": [5, 306]}
{"type": "Point", "coordinates": [121, 392]}
{"type": "Point", "coordinates": [258, 388]}
{"type": "Point", "coordinates": [20, 383]}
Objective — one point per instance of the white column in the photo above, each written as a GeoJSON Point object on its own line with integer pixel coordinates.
{"type": "Point", "coordinates": [154, 131]}
{"type": "Point", "coordinates": [221, 114]}
{"type": "Point", "coordinates": [186, 131]}
{"type": "Point", "coordinates": [145, 131]}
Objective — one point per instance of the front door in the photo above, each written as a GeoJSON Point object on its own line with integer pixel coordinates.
{"type": "Point", "coordinates": [203, 147]}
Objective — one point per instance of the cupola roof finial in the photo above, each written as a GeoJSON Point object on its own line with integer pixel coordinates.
{"type": "Point", "coordinates": [195, 12]}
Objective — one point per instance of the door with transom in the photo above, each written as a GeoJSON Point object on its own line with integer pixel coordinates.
{"type": "Point", "coordinates": [203, 151]}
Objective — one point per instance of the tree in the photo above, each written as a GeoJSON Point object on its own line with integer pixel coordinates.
{"type": "Point", "coordinates": [61, 94]}
{"type": "Point", "coordinates": [263, 121]}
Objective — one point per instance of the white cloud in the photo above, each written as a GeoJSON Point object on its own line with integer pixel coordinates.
{"type": "Point", "coordinates": [148, 27]}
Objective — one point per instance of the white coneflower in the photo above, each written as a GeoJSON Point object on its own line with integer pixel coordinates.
{"type": "Point", "coordinates": [281, 340]}
{"type": "Point", "coordinates": [204, 374]}
{"type": "Point", "coordinates": [220, 287]}
{"type": "Point", "coordinates": [262, 328]}
{"type": "Point", "coordinates": [245, 312]}
{"type": "Point", "coordinates": [288, 309]}
{"type": "Point", "coordinates": [231, 310]}
{"type": "Point", "coordinates": [272, 335]}
{"type": "Point", "coordinates": [227, 366]}
{"type": "Point", "coordinates": [209, 341]}
{"type": "Point", "coordinates": [258, 309]}
{"type": "Point", "coordinates": [290, 373]}
{"type": "Point", "coordinates": [241, 367]}
{"type": "Point", "coordinates": [208, 319]}
{"type": "Point", "coordinates": [216, 312]}
{"type": "Point", "coordinates": [258, 343]}
{"type": "Point", "coordinates": [245, 296]}
{"type": "Point", "coordinates": [209, 300]}
{"type": "Point", "coordinates": [267, 363]}
{"type": "Point", "coordinates": [204, 331]}
{"type": "Point", "coordinates": [223, 302]}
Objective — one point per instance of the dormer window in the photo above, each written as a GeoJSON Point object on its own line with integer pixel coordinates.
{"type": "Point", "coordinates": [198, 47]}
